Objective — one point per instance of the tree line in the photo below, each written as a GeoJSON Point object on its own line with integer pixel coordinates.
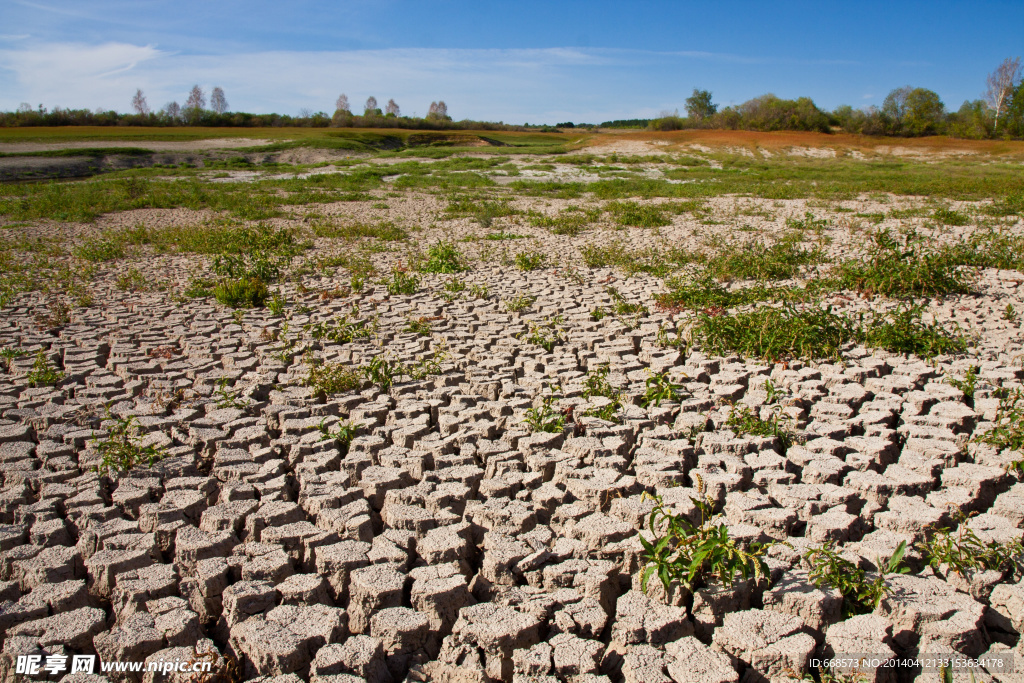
{"type": "Point", "coordinates": [907, 111]}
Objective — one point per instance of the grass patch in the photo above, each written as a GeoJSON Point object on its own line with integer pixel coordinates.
{"type": "Point", "coordinates": [902, 267]}
{"type": "Point", "coordinates": [531, 260]}
{"type": "Point", "coordinates": [776, 334]}
{"type": "Point", "coordinates": [247, 292]}
{"type": "Point", "coordinates": [634, 215]}
{"type": "Point", "coordinates": [384, 230]}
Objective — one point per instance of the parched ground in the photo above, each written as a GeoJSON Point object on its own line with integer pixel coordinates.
{"type": "Point", "coordinates": [452, 540]}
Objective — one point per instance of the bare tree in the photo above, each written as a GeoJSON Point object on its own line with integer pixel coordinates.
{"type": "Point", "coordinates": [305, 113]}
{"type": "Point", "coordinates": [24, 108]}
{"type": "Point", "coordinates": [139, 103]}
{"type": "Point", "coordinates": [218, 102]}
{"type": "Point", "coordinates": [196, 99]}
{"type": "Point", "coordinates": [172, 111]}
{"type": "Point", "coordinates": [437, 110]}
{"type": "Point", "coordinates": [392, 108]}
{"type": "Point", "coordinates": [342, 103]}
{"type": "Point", "coordinates": [371, 106]}
{"type": "Point", "coordinates": [1001, 83]}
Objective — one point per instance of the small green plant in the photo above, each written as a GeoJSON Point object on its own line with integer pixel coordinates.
{"type": "Point", "coordinates": [444, 257]}
{"type": "Point", "coordinates": [904, 331]}
{"type": "Point", "coordinates": [860, 596]}
{"type": "Point", "coordinates": [964, 553]}
{"type": "Point", "coordinates": [693, 554]}
{"type": "Point", "coordinates": [660, 387]}
{"type": "Point", "coordinates": [968, 384]}
{"type": "Point", "coordinates": [402, 282]}
{"type": "Point", "coordinates": [530, 260]}
{"type": "Point", "coordinates": [455, 285]}
{"type": "Point", "coordinates": [104, 249]}
{"type": "Point", "coordinates": [950, 217]}
{"type": "Point", "coordinates": [1008, 432]}
{"type": "Point", "coordinates": [242, 293]}
{"type": "Point", "coordinates": [276, 304]}
{"type": "Point", "coordinates": [520, 302]}
{"type": "Point", "coordinates": [382, 371]}
{"type": "Point", "coordinates": [43, 374]}
{"type": "Point", "coordinates": [546, 335]}
{"type": "Point", "coordinates": [808, 222]}
{"type": "Point", "coordinates": [544, 418]}
{"type": "Point", "coordinates": [7, 356]}
{"type": "Point", "coordinates": [199, 288]}
{"type": "Point", "coordinates": [132, 281]}
{"type": "Point", "coordinates": [342, 435]}
{"type": "Point", "coordinates": [1010, 313]}
{"type": "Point", "coordinates": [479, 291]}
{"type": "Point", "coordinates": [332, 378]}
{"type": "Point", "coordinates": [341, 330]}
{"type": "Point", "coordinates": [742, 420]}
{"type": "Point", "coordinates": [502, 235]}
{"type": "Point", "coordinates": [420, 326]}
{"type": "Point", "coordinates": [598, 314]}
{"type": "Point", "coordinates": [122, 450]}
{"type": "Point", "coordinates": [226, 398]}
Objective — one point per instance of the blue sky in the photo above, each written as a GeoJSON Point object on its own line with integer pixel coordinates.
{"type": "Point", "coordinates": [528, 61]}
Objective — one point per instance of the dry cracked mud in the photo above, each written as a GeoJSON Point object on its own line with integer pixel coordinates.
{"type": "Point", "coordinates": [449, 542]}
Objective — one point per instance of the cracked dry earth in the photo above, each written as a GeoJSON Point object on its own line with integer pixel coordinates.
{"type": "Point", "coordinates": [449, 543]}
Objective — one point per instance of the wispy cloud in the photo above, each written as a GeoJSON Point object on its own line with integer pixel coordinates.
{"type": "Point", "coordinates": [581, 84]}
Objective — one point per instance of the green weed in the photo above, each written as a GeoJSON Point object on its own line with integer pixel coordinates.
{"type": "Point", "coordinates": [1008, 432]}
{"type": "Point", "coordinates": [531, 260]}
{"type": "Point", "coordinates": [121, 450]}
{"type": "Point", "coordinates": [743, 421]}
{"type": "Point", "coordinates": [402, 282]}
{"type": "Point", "coordinates": [632, 214]}
{"type": "Point", "coordinates": [659, 387]}
{"type": "Point", "coordinates": [132, 281]}
{"type": "Point", "coordinates": [242, 293]}
{"type": "Point", "coordinates": [693, 554]}
{"type": "Point", "coordinates": [420, 327]}
{"type": "Point", "coordinates": [860, 596]}
{"type": "Point", "coordinates": [546, 335]}
{"type": "Point", "coordinates": [341, 330]}
{"type": "Point", "coordinates": [332, 378]}
{"type": "Point", "coordinates": [342, 435]}
{"type": "Point", "coordinates": [43, 374]}
{"type": "Point", "coordinates": [520, 302]}
{"type": "Point", "coordinates": [544, 418]}
{"type": "Point", "coordinates": [99, 250]}
{"type": "Point", "coordinates": [901, 268]}
{"type": "Point", "coordinates": [7, 356]}
{"type": "Point", "coordinates": [443, 257]}
{"type": "Point", "coordinates": [964, 553]}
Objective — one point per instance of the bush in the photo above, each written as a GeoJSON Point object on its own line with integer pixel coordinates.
{"type": "Point", "coordinates": [242, 293]}
{"type": "Point", "coordinates": [122, 450]}
{"type": "Point", "coordinates": [530, 260]}
{"type": "Point", "coordinates": [860, 596]}
{"type": "Point", "coordinates": [774, 334]}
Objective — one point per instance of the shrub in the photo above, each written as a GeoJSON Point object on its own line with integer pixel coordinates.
{"type": "Point", "coordinates": [107, 248]}
{"type": "Point", "coordinates": [242, 293]}
{"type": "Point", "coordinates": [744, 420]}
{"type": "Point", "coordinates": [342, 435]}
{"type": "Point", "coordinates": [340, 330]}
{"type": "Point", "coordinates": [757, 261]}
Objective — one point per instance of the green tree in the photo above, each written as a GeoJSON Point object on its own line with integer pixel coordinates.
{"type": "Point", "coordinates": [925, 112]}
{"type": "Point", "coordinates": [699, 105]}
{"type": "Point", "coordinates": [1013, 119]}
{"type": "Point", "coordinates": [973, 120]}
